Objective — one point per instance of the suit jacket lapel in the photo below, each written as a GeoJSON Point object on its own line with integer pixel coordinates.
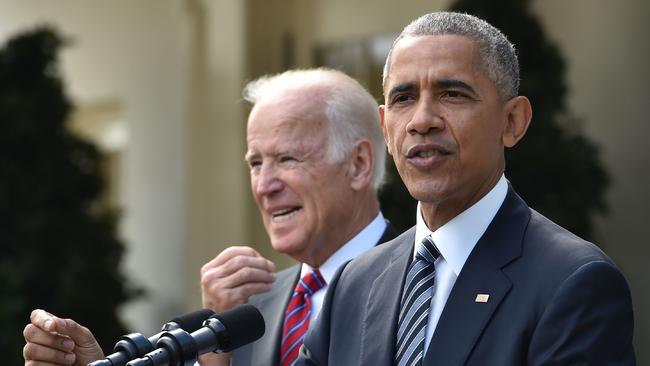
{"type": "Point", "coordinates": [463, 318]}
{"type": "Point", "coordinates": [267, 349]}
{"type": "Point", "coordinates": [380, 323]}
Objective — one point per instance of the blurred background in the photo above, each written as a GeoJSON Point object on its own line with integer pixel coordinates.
{"type": "Point", "coordinates": [122, 136]}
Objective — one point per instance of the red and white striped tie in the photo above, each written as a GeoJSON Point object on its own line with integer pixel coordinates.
{"type": "Point", "coordinates": [296, 319]}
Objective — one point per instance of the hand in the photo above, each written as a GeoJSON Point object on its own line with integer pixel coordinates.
{"type": "Point", "coordinates": [214, 359]}
{"type": "Point", "coordinates": [51, 340]}
{"type": "Point", "coordinates": [233, 276]}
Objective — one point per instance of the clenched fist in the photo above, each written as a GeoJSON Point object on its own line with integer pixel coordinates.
{"type": "Point", "coordinates": [233, 276]}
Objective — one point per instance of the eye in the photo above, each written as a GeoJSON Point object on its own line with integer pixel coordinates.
{"type": "Point", "coordinates": [287, 160]}
{"type": "Point", "coordinates": [454, 95]}
{"type": "Point", "coordinates": [402, 98]}
{"type": "Point", "coordinates": [254, 165]}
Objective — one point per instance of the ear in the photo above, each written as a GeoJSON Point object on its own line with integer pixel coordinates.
{"type": "Point", "coordinates": [361, 164]}
{"type": "Point", "coordinates": [382, 121]}
{"type": "Point", "coordinates": [518, 116]}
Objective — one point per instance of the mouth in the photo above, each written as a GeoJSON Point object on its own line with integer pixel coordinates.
{"type": "Point", "coordinates": [426, 151]}
{"type": "Point", "coordinates": [426, 155]}
{"type": "Point", "coordinates": [284, 214]}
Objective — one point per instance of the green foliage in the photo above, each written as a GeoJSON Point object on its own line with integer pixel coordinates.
{"type": "Point", "coordinates": [59, 248]}
{"type": "Point", "coordinates": [554, 168]}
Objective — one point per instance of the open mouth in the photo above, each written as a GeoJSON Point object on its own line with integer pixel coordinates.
{"type": "Point", "coordinates": [285, 214]}
{"type": "Point", "coordinates": [426, 151]}
{"type": "Point", "coordinates": [427, 156]}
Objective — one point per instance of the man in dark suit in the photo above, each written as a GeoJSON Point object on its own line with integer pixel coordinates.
{"type": "Point", "coordinates": [316, 155]}
{"type": "Point", "coordinates": [482, 279]}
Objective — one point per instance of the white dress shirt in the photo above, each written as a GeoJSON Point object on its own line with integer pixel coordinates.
{"type": "Point", "coordinates": [363, 241]}
{"type": "Point", "coordinates": [455, 241]}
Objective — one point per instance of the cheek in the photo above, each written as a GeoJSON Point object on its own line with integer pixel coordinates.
{"type": "Point", "coordinates": [478, 151]}
{"type": "Point", "coordinates": [327, 194]}
{"type": "Point", "coordinates": [481, 138]}
{"type": "Point", "coordinates": [393, 140]}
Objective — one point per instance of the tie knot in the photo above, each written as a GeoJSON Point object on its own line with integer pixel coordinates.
{"type": "Point", "coordinates": [310, 283]}
{"type": "Point", "coordinates": [427, 250]}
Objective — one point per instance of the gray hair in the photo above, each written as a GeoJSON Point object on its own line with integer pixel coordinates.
{"type": "Point", "coordinates": [499, 58]}
{"type": "Point", "coordinates": [352, 113]}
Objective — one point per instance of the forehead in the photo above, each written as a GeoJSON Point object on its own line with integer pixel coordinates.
{"type": "Point", "coordinates": [438, 56]}
{"type": "Point", "coordinates": [292, 122]}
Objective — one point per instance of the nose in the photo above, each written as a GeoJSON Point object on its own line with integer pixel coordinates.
{"type": "Point", "coordinates": [267, 181]}
{"type": "Point", "coordinates": [426, 117]}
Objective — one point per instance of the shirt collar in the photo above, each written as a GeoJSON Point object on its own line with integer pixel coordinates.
{"type": "Point", "coordinates": [456, 239]}
{"type": "Point", "coordinates": [363, 241]}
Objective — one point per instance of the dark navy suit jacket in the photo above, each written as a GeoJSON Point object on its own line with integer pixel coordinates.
{"type": "Point", "coordinates": [272, 305]}
{"type": "Point", "coordinates": [554, 299]}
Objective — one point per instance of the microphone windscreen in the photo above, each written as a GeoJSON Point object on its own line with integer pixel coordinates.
{"type": "Point", "coordinates": [244, 324]}
{"type": "Point", "coordinates": [191, 322]}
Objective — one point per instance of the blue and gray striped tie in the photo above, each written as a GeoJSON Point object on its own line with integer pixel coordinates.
{"type": "Point", "coordinates": [414, 306]}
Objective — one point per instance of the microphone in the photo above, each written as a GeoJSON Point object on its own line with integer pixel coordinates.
{"type": "Point", "coordinates": [223, 332]}
{"type": "Point", "coordinates": [136, 345]}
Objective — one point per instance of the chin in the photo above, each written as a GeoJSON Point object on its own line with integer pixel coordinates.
{"type": "Point", "coordinates": [423, 188]}
{"type": "Point", "coordinates": [286, 246]}
{"type": "Point", "coordinates": [426, 192]}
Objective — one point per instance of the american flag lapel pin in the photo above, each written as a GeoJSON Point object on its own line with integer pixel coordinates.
{"type": "Point", "coordinates": [483, 298]}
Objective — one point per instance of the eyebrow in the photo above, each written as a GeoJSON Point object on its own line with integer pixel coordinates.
{"type": "Point", "coordinates": [456, 84]}
{"type": "Point", "coordinates": [440, 83]}
{"type": "Point", "coordinates": [289, 151]}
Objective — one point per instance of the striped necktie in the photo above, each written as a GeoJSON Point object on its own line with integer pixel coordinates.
{"type": "Point", "coordinates": [414, 305]}
{"type": "Point", "coordinates": [296, 318]}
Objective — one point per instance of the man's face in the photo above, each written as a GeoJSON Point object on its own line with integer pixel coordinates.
{"type": "Point", "coordinates": [443, 121]}
{"type": "Point", "coordinates": [301, 195]}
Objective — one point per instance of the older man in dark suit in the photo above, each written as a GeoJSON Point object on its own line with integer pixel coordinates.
{"type": "Point", "coordinates": [316, 156]}
{"type": "Point", "coordinates": [482, 279]}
